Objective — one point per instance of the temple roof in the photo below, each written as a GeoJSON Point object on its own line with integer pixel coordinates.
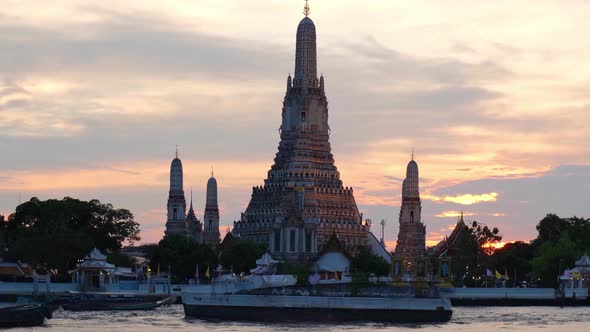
{"type": "Point", "coordinates": [584, 261]}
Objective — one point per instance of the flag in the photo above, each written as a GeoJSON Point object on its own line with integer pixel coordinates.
{"type": "Point", "coordinates": [498, 275]}
{"type": "Point", "coordinates": [158, 272]}
{"type": "Point", "coordinates": [489, 273]}
{"type": "Point", "coordinates": [506, 273]}
{"type": "Point", "coordinates": [197, 271]}
{"type": "Point", "coordinates": [207, 273]}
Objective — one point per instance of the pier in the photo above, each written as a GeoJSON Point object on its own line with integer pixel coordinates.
{"type": "Point", "coordinates": [515, 296]}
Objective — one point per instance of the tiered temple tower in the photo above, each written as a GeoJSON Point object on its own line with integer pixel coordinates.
{"type": "Point", "coordinates": [211, 217]}
{"type": "Point", "coordinates": [176, 224]}
{"type": "Point", "coordinates": [195, 228]}
{"type": "Point", "coordinates": [303, 202]}
{"type": "Point", "coordinates": [411, 242]}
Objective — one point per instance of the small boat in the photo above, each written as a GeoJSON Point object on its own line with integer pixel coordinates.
{"type": "Point", "coordinates": [25, 315]}
{"type": "Point", "coordinates": [96, 302]}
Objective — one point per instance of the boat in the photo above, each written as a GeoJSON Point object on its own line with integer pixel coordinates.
{"type": "Point", "coordinates": [287, 308]}
{"type": "Point", "coordinates": [25, 315]}
{"type": "Point", "coordinates": [112, 301]}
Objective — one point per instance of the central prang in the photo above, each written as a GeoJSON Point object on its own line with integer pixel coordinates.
{"type": "Point", "coordinates": [303, 202]}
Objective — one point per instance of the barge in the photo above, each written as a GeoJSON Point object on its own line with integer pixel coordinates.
{"type": "Point", "coordinates": [289, 308]}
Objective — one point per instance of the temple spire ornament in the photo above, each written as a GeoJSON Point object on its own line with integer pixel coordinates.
{"type": "Point", "coordinates": [306, 10]}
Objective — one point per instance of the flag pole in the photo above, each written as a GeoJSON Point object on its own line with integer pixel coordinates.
{"type": "Point", "coordinates": [514, 277]}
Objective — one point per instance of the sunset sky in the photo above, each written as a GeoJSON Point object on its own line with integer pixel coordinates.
{"type": "Point", "coordinates": [494, 96]}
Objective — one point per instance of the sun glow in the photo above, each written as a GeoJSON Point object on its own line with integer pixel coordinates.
{"type": "Point", "coordinates": [494, 245]}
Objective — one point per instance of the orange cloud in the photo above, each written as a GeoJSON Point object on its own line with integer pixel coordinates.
{"type": "Point", "coordinates": [465, 199]}
{"type": "Point", "coordinates": [454, 214]}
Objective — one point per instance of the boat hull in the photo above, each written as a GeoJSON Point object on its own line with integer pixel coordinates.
{"type": "Point", "coordinates": [24, 315]}
{"type": "Point", "coordinates": [316, 309]}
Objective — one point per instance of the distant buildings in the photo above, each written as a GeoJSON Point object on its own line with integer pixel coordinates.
{"type": "Point", "coordinates": [186, 224]}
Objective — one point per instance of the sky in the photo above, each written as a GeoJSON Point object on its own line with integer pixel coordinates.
{"type": "Point", "coordinates": [493, 96]}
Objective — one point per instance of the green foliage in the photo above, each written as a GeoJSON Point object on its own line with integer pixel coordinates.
{"type": "Point", "coordinates": [482, 235]}
{"type": "Point", "coordinates": [54, 234]}
{"type": "Point", "coordinates": [514, 257]}
{"type": "Point", "coordinates": [181, 255]}
{"type": "Point", "coordinates": [546, 265]}
{"type": "Point", "coordinates": [242, 256]}
{"type": "Point", "coordinates": [550, 228]}
{"type": "Point", "coordinates": [302, 272]}
{"type": "Point", "coordinates": [366, 262]}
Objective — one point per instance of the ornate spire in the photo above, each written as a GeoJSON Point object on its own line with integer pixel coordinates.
{"type": "Point", "coordinates": [191, 198]}
{"type": "Point", "coordinates": [176, 154]}
{"type": "Point", "coordinates": [412, 153]}
{"type": "Point", "coordinates": [212, 173]}
{"type": "Point", "coordinates": [305, 53]}
{"type": "Point", "coordinates": [306, 10]}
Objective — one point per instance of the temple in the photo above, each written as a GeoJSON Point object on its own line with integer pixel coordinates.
{"type": "Point", "coordinates": [411, 242]}
{"type": "Point", "coordinates": [211, 215]}
{"type": "Point", "coordinates": [176, 223]}
{"type": "Point", "coordinates": [303, 201]}
{"type": "Point", "coordinates": [194, 226]}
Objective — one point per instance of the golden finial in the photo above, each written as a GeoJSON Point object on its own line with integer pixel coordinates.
{"type": "Point", "coordinates": [177, 151]}
{"type": "Point", "coordinates": [306, 10]}
{"type": "Point", "coordinates": [212, 171]}
{"type": "Point", "coordinates": [412, 153]}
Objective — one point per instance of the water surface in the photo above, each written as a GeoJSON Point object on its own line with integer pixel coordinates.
{"type": "Point", "coordinates": [480, 319]}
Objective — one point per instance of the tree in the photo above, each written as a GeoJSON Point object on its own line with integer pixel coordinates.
{"type": "Point", "coordinates": [54, 234]}
{"type": "Point", "coordinates": [469, 252]}
{"type": "Point", "coordinates": [560, 242]}
{"type": "Point", "coordinates": [242, 256]}
{"type": "Point", "coordinates": [485, 236]}
{"type": "Point", "coordinates": [513, 257]}
{"type": "Point", "coordinates": [550, 228]}
{"type": "Point", "coordinates": [545, 267]}
{"type": "Point", "coordinates": [365, 262]}
{"type": "Point", "coordinates": [181, 254]}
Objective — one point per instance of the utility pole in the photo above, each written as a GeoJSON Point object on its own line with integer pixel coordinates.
{"type": "Point", "coordinates": [383, 232]}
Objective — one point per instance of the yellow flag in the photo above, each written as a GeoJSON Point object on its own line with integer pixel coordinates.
{"type": "Point", "coordinates": [506, 272]}
{"type": "Point", "coordinates": [498, 275]}
{"type": "Point", "coordinates": [207, 274]}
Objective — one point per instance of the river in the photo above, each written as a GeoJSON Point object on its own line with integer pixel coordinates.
{"type": "Point", "coordinates": [480, 319]}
